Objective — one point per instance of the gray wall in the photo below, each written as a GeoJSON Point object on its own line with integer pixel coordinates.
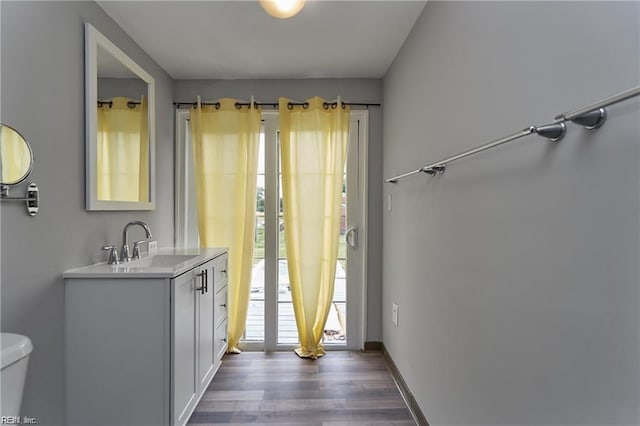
{"type": "Point", "coordinates": [133, 88]}
{"type": "Point", "coordinates": [516, 272]}
{"type": "Point", "coordinates": [43, 96]}
{"type": "Point", "coordinates": [352, 90]}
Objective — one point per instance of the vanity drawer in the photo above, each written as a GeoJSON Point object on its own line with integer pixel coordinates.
{"type": "Point", "coordinates": [220, 306]}
{"type": "Point", "coordinates": [220, 272]}
{"type": "Point", "coordinates": [220, 337]}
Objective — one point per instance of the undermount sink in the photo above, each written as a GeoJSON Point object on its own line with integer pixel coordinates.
{"type": "Point", "coordinates": [161, 260]}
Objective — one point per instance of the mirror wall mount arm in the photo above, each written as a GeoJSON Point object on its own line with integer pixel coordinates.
{"type": "Point", "coordinates": [32, 199]}
{"type": "Point", "coordinates": [591, 117]}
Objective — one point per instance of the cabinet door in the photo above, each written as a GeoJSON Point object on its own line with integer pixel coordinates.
{"type": "Point", "coordinates": [185, 386]}
{"type": "Point", "coordinates": [205, 324]}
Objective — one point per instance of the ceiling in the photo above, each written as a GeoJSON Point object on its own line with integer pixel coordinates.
{"type": "Point", "coordinates": [236, 39]}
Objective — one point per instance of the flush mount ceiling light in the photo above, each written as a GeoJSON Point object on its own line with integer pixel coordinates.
{"type": "Point", "coordinates": [282, 9]}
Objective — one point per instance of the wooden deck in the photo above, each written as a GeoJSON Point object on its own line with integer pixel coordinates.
{"type": "Point", "coordinates": [287, 331]}
{"type": "Point", "coordinates": [278, 388]}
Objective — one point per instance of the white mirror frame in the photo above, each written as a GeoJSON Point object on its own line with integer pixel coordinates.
{"type": "Point", "coordinates": [94, 40]}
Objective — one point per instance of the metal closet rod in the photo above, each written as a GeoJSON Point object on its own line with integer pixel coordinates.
{"type": "Point", "coordinates": [591, 116]}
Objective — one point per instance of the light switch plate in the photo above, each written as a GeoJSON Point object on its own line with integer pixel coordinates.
{"type": "Point", "coordinates": [394, 314]}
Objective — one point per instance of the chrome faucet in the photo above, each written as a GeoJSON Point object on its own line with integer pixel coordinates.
{"type": "Point", "coordinates": [125, 246]}
{"type": "Point", "coordinates": [113, 254]}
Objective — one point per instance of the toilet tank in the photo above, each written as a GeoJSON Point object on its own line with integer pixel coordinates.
{"type": "Point", "coordinates": [15, 358]}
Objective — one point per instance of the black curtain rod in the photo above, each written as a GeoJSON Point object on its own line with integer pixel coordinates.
{"type": "Point", "coordinates": [273, 104]}
{"type": "Point", "coordinates": [130, 104]}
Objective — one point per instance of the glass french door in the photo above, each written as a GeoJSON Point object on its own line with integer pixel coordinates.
{"type": "Point", "coordinates": [271, 321]}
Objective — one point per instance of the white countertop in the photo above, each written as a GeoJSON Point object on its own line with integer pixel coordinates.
{"type": "Point", "coordinates": [145, 267]}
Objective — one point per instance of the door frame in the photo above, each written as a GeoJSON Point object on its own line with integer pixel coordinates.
{"type": "Point", "coordinates": [356, 293]}
{"type": "Point", "coordinates": [182, 193]}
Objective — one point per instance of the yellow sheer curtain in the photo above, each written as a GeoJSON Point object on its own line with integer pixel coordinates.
{"type": "Point", "coordinates": [15, 157]}
{"type": "Point", "coordinates": [123, 151]}
{"type": "Point", "coordinates": [313, 148]}
{"type": "Point", "coordinates": [226, 142]}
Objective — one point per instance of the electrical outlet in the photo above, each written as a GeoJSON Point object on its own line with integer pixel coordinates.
{"type": "Point", "coordinates": [394, 314]}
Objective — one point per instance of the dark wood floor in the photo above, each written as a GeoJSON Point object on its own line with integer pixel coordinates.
{"type": "Point", "coordinates": [342, 388]}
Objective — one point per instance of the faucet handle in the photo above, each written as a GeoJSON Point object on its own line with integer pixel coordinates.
{"type": "Point", "coordinates": [136, 249]}
{"type": "Point", "coordinates": [113, 254]}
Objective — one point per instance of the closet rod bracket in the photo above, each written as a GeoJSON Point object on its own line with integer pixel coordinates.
{"type": "Point", "coordinates": [440, 168]}
{"type": "Point", "coordinates": [592, 119]}
{"type": "Point", "coordinates": [554, 132]}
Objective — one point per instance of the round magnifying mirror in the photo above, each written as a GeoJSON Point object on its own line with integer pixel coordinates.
{"type": "Point", "coordinates": [16, 157]}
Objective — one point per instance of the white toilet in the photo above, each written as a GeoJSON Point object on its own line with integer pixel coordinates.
{"type": "Point", "coordinates": [15, 358]}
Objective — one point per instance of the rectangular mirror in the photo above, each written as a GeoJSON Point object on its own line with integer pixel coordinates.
{"type": "Point", "coordinates": [120, 126]}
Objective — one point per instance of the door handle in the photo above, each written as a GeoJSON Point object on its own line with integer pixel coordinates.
{"type": "Point", "coordinates": [352, 237]}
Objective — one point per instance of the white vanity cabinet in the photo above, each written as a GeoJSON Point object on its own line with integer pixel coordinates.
{"type": "Point", "coordinates": [198, 343]}
{"type": "Point", "coordinates": [143, 342]}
